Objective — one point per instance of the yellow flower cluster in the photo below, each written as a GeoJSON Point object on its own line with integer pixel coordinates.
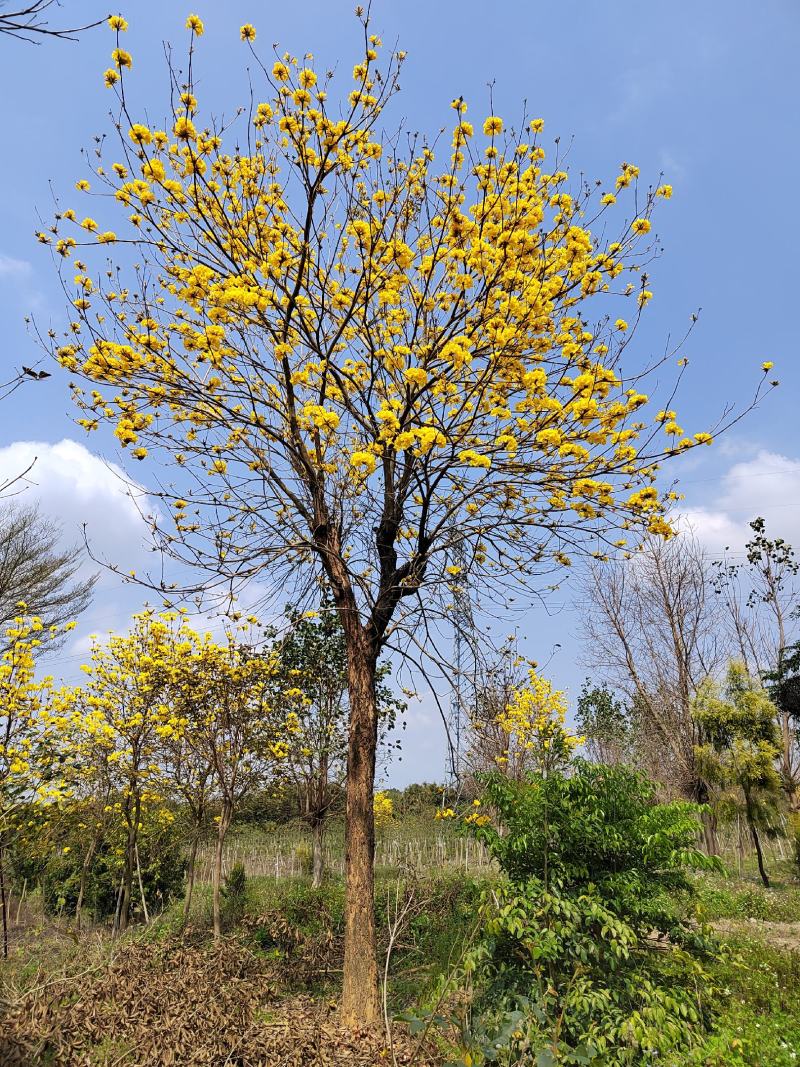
{"type": "Point", "coordinates": [382, 807]}
{"type": "Point", "coordinates": [429, 315]}
{"type": "Point", "coordinates": [534, 723]}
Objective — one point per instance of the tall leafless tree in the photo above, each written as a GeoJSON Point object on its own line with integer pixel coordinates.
{"type": "Point", "coordinates": [654, 631]}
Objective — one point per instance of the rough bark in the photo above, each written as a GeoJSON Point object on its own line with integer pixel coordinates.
{"type": "Point", "coordinates": [122, 917]}
{"type": "Point", "coordinates": [360, 999]}
{"type": "Point", "coordinates": [3, 903]}
{"type": "Point", "coordinates": [87, 861]}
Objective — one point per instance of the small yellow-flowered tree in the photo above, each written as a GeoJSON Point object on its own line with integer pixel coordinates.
{"type": "Point", "coordinates": [366, 357]}
{"type": "Point", "coordinates": [26, 767]}
{"type": "Point", "coordinates": [535, 738]}
{"type": "Point", "coordinates": [233, 719]}
{"type": "Point", "coordinates": [116, 722]}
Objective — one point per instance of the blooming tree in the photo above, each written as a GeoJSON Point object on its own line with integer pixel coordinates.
{"type": "Point", "coordinates": [232, 722]}
{"type": "Point", "coordinates": [528, 733]}
{"type": "Point", "coordinates": [26, 703]}
{"type": "Point", "coordinates": [365, 357]}
{"type": "Point", "coordinates": [120, 714]}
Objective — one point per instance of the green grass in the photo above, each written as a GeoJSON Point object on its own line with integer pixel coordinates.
{"type": "Point", "coordinates": [740, 899]}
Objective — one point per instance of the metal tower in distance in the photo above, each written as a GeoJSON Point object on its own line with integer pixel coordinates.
{"type": "Point", "coordinates": [460, 700]}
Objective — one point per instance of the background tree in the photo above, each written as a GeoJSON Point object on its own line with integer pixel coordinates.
{"type": "Point", "coordinates": [606, 724]}
{"type": "Point", "coordinates": [26, 704]}
{"type": "Point", "coordinates": [653, 626]}
{"type": "Point", "coordinates": [35, 567]}
{"type": "Point", "coordinates": [741, 747]}
{"type": "Point", "coordinates": [189, 769]}
{"type": "Point", "coordinates": [359, 361]}
{"type": "Point", "coordinates": [525, 733]}
{"type": "Point", "coordinates": [234, 718]}
{"type": "Point", "coordinates": [495, 686]}
{"type": "Point", "coordinates": [124, 709]}
{"type": "Point", "coordinates": [761, 597]}
{"type": "Point", "coordinates": [313, 667]}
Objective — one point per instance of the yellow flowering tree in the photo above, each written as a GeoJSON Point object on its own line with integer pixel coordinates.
{"type": "Point", "coordinates": [232, 721]}
{"type": "Point", "coordinates": [26, 769]}
{"type": "Point", "coordinates": [533, 727]}
{"type": "Point", "coordinates": [118, 718]}
{"type": "Point", "coordinates": [362, 360]}
{"type": "Point", "coordinates": [383, 807]}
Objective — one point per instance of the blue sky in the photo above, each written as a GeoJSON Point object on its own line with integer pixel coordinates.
{"type": "Point", "coordinates": [704, 93]}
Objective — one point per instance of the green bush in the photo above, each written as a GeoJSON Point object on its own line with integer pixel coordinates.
{"type": "Point", "coordinates": [234, 895]}
{"type": "Point", "coordinates": [585, 955]}
{"type": "Point", "coordinates": [55, 865]}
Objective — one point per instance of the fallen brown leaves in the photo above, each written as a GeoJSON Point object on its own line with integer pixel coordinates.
{"type": "Point", "coordinates": [177, 1005]}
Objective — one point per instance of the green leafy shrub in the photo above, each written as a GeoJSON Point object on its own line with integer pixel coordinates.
{"type": "Point", "coordinates": [57, 867]}
{"type": "Point", "coordinates": [234, 895]}
{"type": "Point", "coordinates": [585, 955]}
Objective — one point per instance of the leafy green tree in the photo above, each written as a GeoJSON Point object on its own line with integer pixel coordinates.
{"type": "Point", "coordinates": [584, 955]}
{"type": "Point", "coordinates": [605, 724]}
{"type": "Point", "coordinates": [741, 748]}
{"type": "Point", "coordinates": [761, 594]}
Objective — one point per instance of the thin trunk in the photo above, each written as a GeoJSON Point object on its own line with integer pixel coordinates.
{"type": "Point", "coordinates": [4, 903]}
{"type": "Point", "coordinates": [317, 852]}
{"type": "Point", "coordinates": [122, 918]}
{"type": "Point", "coordinates": [756, 842]}
{"type": "Point", "coordinates": [190, 876]}
{"type": "Point", "coordinates": [224, 822]}
{"type": "Point", "coordinates": [141, 885]}
{"type": "Point", "coordinates": [21, 901]}
{"type": "Point", "coordinates": [360, 992]}
{"type": "Point", "coordinates": [87, 859]}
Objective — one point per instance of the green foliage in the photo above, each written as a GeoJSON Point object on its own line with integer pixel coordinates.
{"type": "Point", "coordinates": [740, 750]}
{"type": "Point", "coordinates": [719, 898]}
{"type": "Point", "coordinates": [57, 867]}
{"type": "Point", "coordinates": [605, 723]}
{"type": "Point", "coordinates": [759, 1010]}
{"type": "Point", "coordinates": [420, 798]}
{"type": "Point", "coordinates": [234, 894]}
{"type": "Point", "coordinates": [585, 956]}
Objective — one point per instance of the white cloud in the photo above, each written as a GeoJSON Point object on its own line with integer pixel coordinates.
{"type": "Point", "coordinates": [76, 488]}
{"type": "Point", "coordinates": [767, 485]}
{"type": "Point", "coordinates": [17, 269]}
{"type": "Point", "coordinates": [79, 489]}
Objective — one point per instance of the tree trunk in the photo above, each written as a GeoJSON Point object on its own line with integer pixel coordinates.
{"type": "Point", "coordinates": [4, 903]}
{"type": "Point", "coordinates": [222, 829]}
{"type": "Point", "coordinates": [317, 852]}
{"type": "Point", "coordinates": [360, 995]}
{"type": "Point", "coordinates": [756, 841]}
{"type": "Point", "coordinates": [141, 885]}
{"type": "Point", "coordinates": [122, 918]}
{"type": "Point", "coordinates": [190, 873]}
{"type": "Point", "coordinates": [87, 859]}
